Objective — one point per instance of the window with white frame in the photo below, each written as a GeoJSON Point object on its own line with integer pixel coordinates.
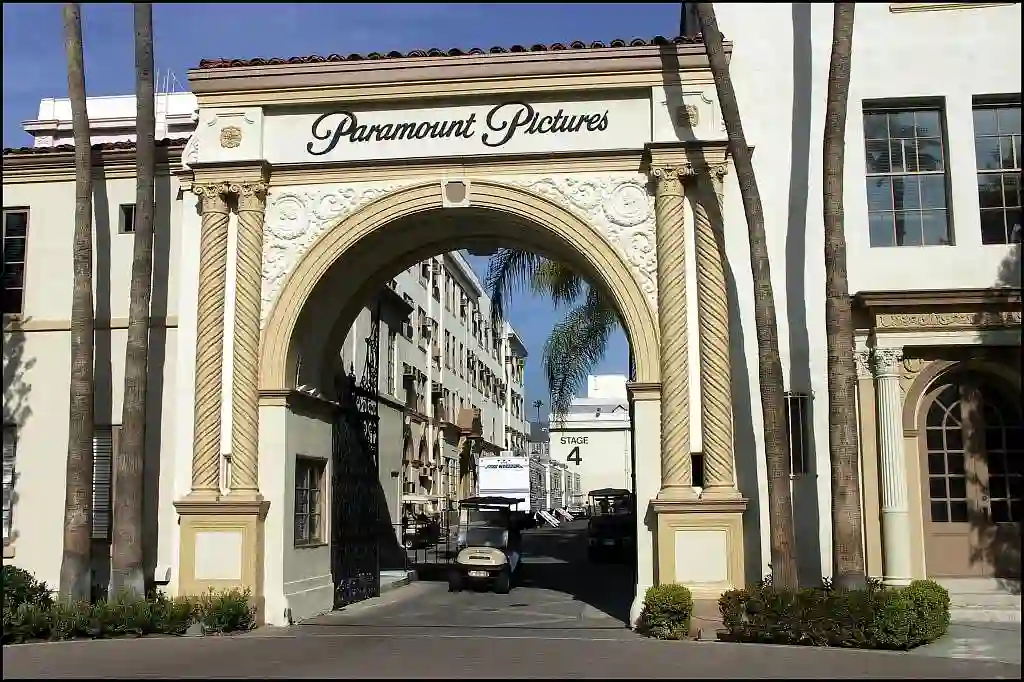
{"type": "Point", "coordinates": [997, 149]}
{"type": "Point", "coordinates": [15, 239]}
{"type": "Point", "coordinates": [906, 176]}
{"type": "Point", "coordinates": [309, 483]}
{"type": "Point", "coordinates": [10, 455]}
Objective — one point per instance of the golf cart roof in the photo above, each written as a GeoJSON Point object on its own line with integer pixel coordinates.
{"type": "Point", "coordinates": [610, 492]}
{"type": "Point", "coordinates": [490, 501]}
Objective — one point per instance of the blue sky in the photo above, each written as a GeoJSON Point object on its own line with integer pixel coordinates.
{"type": "Point", "coordinates": [34, 64]}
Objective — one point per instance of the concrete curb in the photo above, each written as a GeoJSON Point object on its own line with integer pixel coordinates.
{"type": "Point", "coordinates": [401, 582]}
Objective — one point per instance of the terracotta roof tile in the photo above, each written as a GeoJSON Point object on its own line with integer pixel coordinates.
{"type": "Point", "coordinates": [454, 52]}
{"type": "Point", "coordinates": [100, 147]}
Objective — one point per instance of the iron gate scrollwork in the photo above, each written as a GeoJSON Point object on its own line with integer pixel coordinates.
{"type": "Point", "coordinates": [356, 513]}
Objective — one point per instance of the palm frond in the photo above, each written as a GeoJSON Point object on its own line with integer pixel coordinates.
{"type": "Point", "coordinates": [557, 281]}
{"type": "Point", "coordinates": [507, 271]}
{"type": "Point", "coordinates": [574, 348]}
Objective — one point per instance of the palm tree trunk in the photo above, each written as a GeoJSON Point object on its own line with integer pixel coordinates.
{"type": "Point", "coordinates": [769, 364]}
{"type": "Point", "coordinates": [847, 542]}
{"type": "Point", "coordinates": [75, 565]}
{"type": "Point", "coordinates": [128, 573]}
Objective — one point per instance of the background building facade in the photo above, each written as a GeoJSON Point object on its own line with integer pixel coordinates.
{"type": "Point", "coordinates": [595, 442]}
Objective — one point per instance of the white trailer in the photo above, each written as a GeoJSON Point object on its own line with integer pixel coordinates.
{"type": "Point", "coordinates": [505, 477]}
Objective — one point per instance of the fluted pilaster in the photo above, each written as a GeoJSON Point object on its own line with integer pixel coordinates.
{"type": "Point", "coordinates": [890, 427]}
{"type": "Point", "coordinates": [713, 321]}
{"type": "Point", "coordinates": [676, 466]}
{"type": "Point", "coordinates": [213, 253]}
{"type": "Point", "coordinates": [245, 355]}
{"type": "Point", "coordinates": [896, 535]}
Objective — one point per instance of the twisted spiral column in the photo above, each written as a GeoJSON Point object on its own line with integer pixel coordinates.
{"type": "Point", "coordinates": [713, 322]}
{"type": "Point", "coordinates": [670, 235]}
{"type": "Point", "coordinates": [213, 257]}
{"type": "Point", "coordinates": [245, 355]}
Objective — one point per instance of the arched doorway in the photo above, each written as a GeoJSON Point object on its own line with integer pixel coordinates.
{"type": "Point", "coordinates": [971, 437]}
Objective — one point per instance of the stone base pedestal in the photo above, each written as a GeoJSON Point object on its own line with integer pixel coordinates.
{"type": "Point", "coordinates": [700, 544]}
{"type": "Point", "coordinates": [222, 546]}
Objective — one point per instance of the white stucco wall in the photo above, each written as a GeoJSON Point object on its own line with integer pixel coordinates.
{"type": "Point", "coordinates": [37, 359]}
{"type": "Point", "coordinates": [935, 54]}
{"type": "Point", "coordinates": [307, 584]}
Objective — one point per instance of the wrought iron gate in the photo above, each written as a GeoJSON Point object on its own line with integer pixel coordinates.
{"type": "Point", "coordinates": [356, 513]}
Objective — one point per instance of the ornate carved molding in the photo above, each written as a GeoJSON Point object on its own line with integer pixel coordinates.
{"type": "Point", "coordinates": [211, 189]}
{"type": "Point", "coordinates": [230, 137]}
{"type": "Point", "coordinates": [887, 361]}
{"type": "Point", "coordinates": [948, 320]}
{"type": "Point", "coordinates": [619, 207]}
{"type": "Point", "coordinates": [862, 360]}
{"type": "Point", "coordinates": [249, 189]}
{"type": "Point", "coordinates": [297, 216]}
{"type": "Point", "coordinates": [191, 152]}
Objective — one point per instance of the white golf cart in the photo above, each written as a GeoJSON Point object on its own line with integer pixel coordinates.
{"type": "Point", "coordinates": [488, 544]}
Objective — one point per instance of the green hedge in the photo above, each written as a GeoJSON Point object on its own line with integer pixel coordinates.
{"type": "Point", "coordinates": [666, 613]}
{"type": "Point", "coordinates": [873, 618]}
{"type": "Point", "coordinates": [30, 613]}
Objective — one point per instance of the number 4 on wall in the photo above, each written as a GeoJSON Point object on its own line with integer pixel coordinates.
{"type": "Point", "coordinates": [574, 456]}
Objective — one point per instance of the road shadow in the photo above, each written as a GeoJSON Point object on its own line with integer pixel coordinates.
{"type": "Point", "coordinates": [556, 559]}
{"type": "Point", "coordinates": [553, 559]}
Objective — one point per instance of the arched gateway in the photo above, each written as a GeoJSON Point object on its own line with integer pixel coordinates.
{"type": "Point", "coordinates": [343, 172]}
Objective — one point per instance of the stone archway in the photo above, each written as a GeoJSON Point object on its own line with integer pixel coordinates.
{"type": "Point", "coordinates": [635, 250]}
{"type": "Point", "coordinates": [554, 226]}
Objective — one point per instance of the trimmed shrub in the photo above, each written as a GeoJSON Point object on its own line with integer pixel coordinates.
{"type": "Point", "coordinates": [872, 618]}
{"type": "Point", "coordinates": [21, 587]}
{"type": "Point", "coordinates": [930, 606]}
{"type": "Point", "coordinates": [32, 614]}
{"type": "Point", "coordinates": [666, 613]}
{"type": "Point", "coordinates": [228, 611]}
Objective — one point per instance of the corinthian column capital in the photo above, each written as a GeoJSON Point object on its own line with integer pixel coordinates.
{"type": "Point", "coordinates": [257, 188]}
{"type": "Point", "coordinates": [887, 361]}
{"type": "Point", "coordinates": [669, 179]}
{"type": "Point", "coordinates": [213, 196]}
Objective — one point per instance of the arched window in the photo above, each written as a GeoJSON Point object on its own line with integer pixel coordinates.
{"type": "Point", "coordinates": [972, 438]}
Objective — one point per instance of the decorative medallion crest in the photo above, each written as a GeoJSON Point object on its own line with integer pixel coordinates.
{"type": "Point", "coordinates": [230, 137]}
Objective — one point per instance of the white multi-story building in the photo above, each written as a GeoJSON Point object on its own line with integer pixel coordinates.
{"type": "Point", "coordinates": [594, 439]}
